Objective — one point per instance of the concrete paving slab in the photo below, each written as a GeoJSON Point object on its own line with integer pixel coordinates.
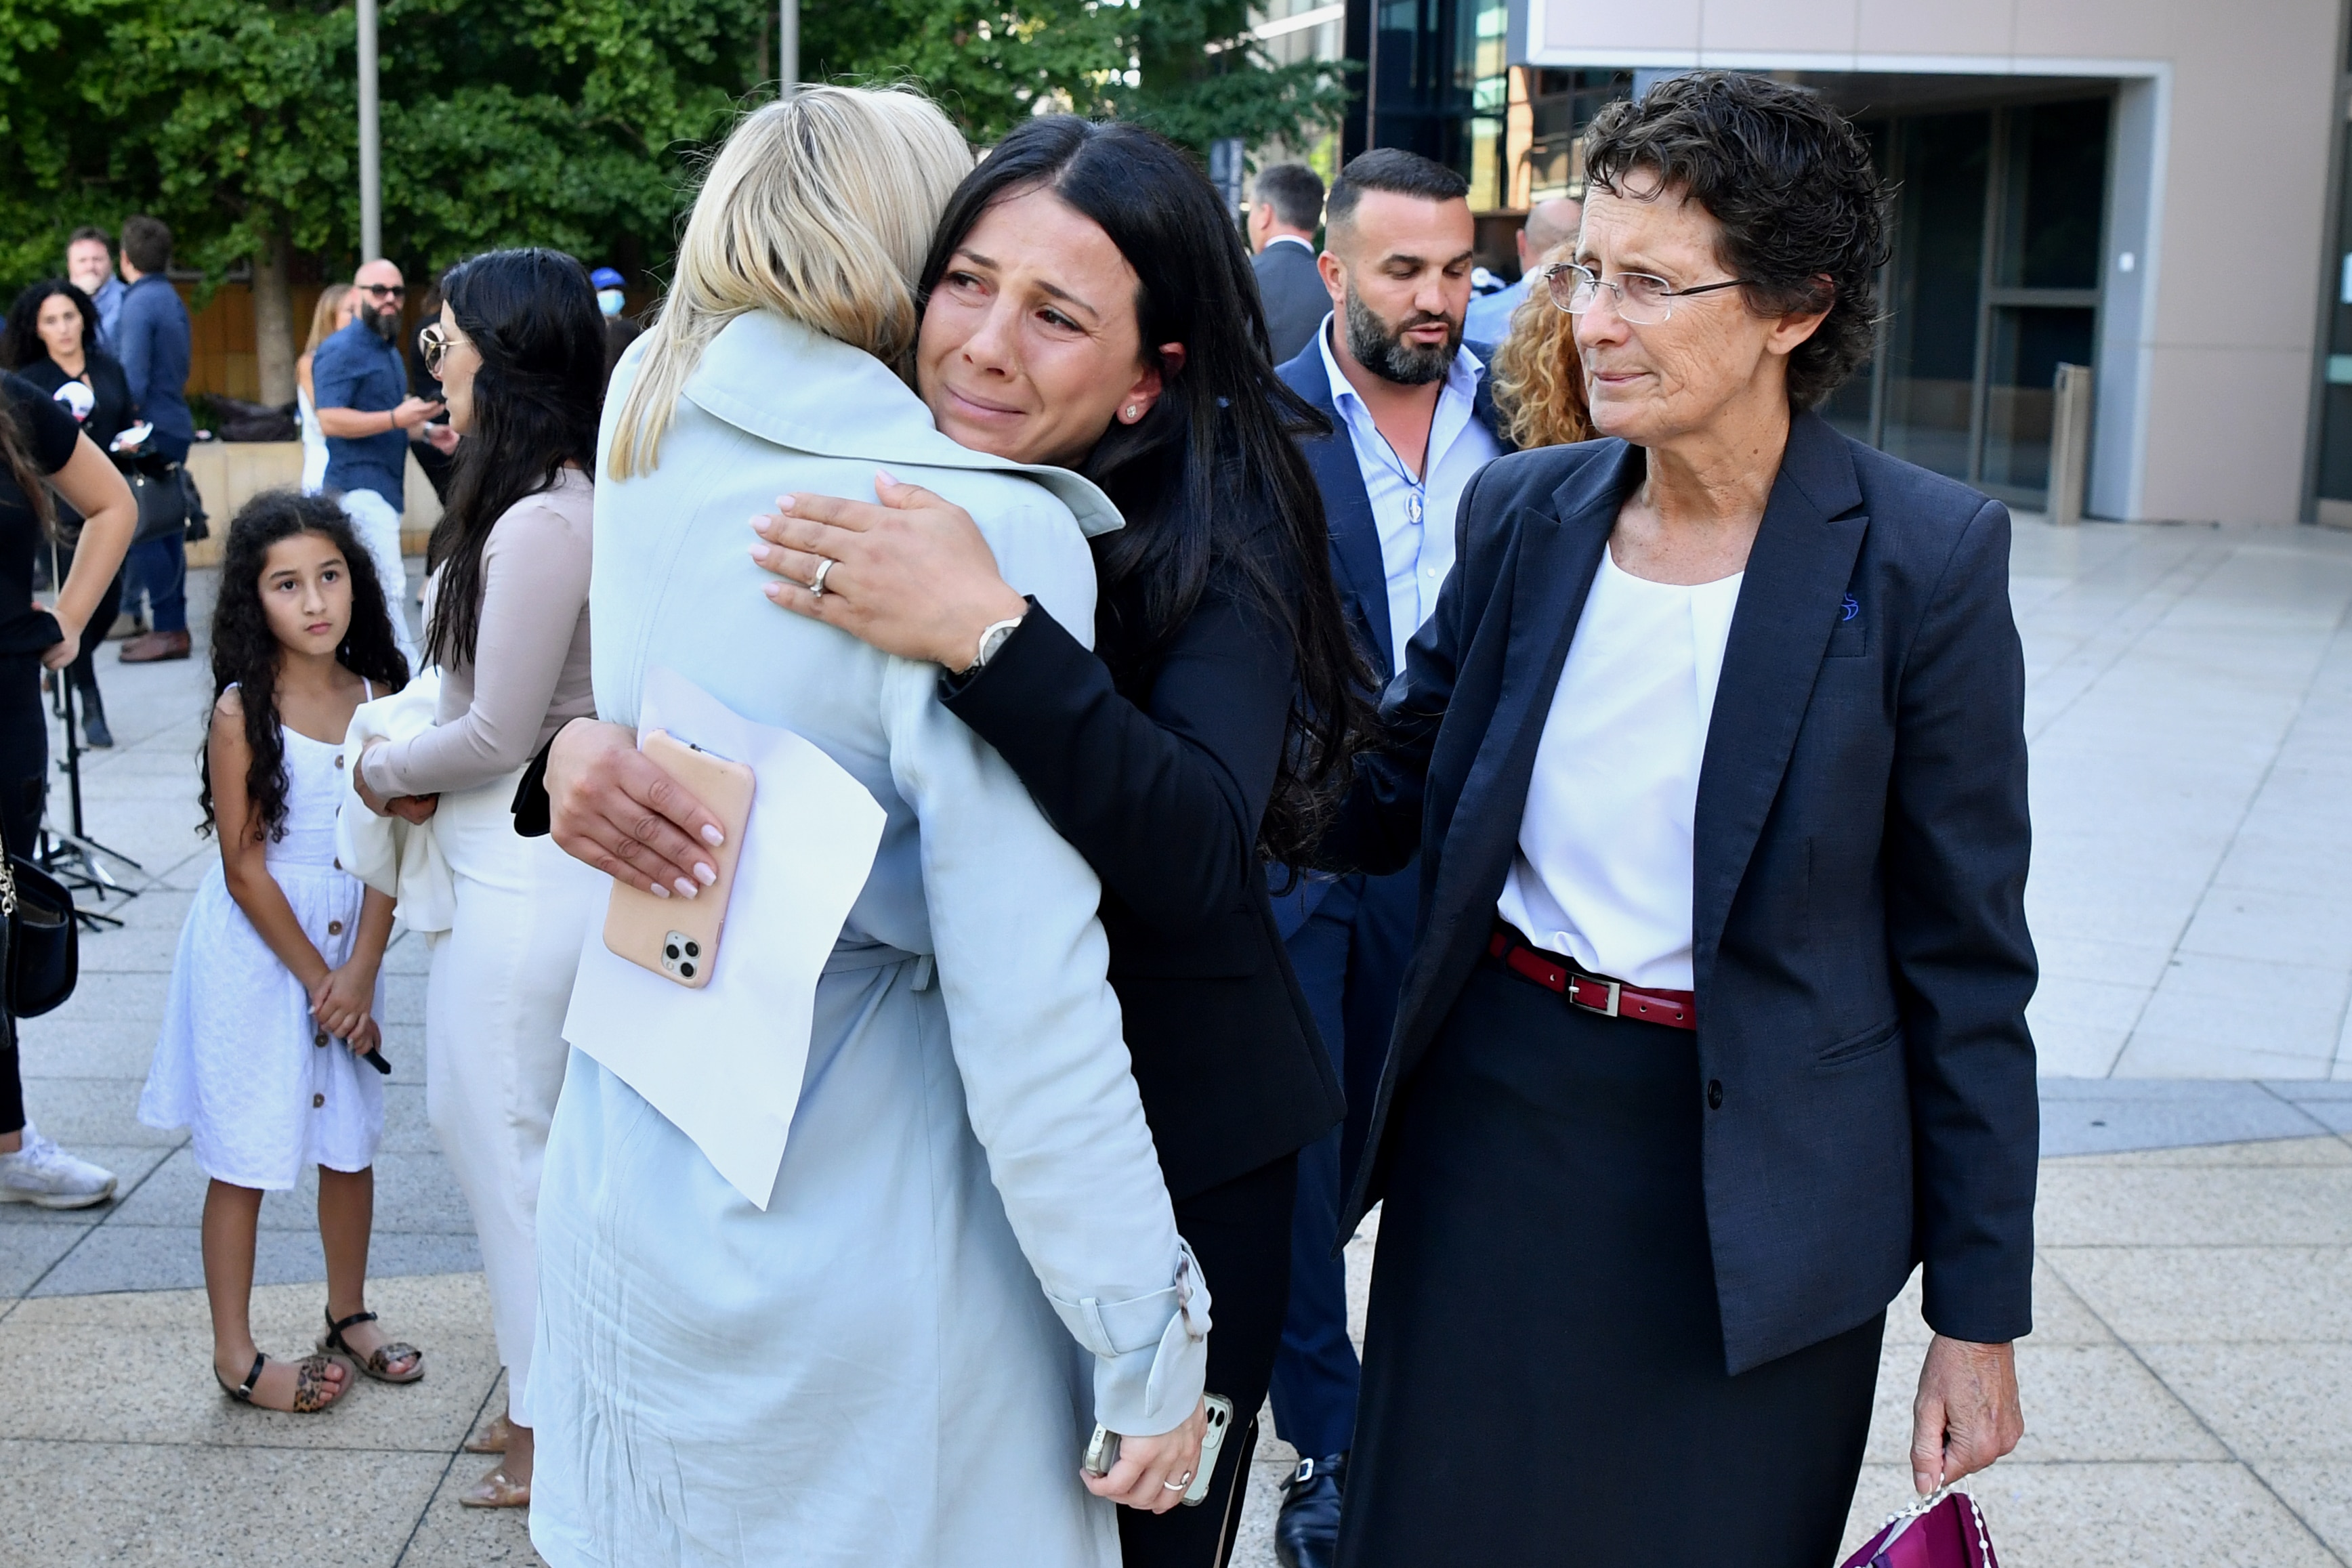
{"type": "Point", "coordinates": [2097, 1115]}
{"type": "Point", "coordinates": [29, 1251]}
{"type": "Point", "coordinates": [171, 1258]}
{"type": "Point", "coordinates": [77, 1504]}
{"type": "Point", "coordinates": [2266, 1401]}
{"type": "Point", "coordinates": [83, 1112]}
{"type": "Point", "coordinates": [2321, 1493]}
{"type": "Point", "coordinates": [68, 1362]}
{"type": "Point", "coordinates": [2238, 1294]}
{"type": "Point", "coordinates": [452, 1536]}
{"type": "Point", "coordinates": [2083, 1203]}
{"type": "Point", "coordinates": [2082, 1402]}
{"type": "Point", "coordinates": [414, 1192]}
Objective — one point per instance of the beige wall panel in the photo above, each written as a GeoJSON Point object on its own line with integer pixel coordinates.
{"type": "Point", "coordinates": [2225, 433]}
{"type": "Point", "coordinates": [2246, 189]}
{"type": "Point", "coordinates": [1936, 26]}
{"type": "Point", "coordinates": [1781, 27]}
{"type": "Point", "coordinates": [1619, 25]}
{"type": "Point", "coordinates": [2100, 29]}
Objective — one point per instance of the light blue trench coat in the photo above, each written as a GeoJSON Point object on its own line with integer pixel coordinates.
{"type": "Point", "coordinates": [868, 1372]}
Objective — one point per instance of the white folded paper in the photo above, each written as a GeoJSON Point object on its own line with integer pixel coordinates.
{"type": "Point", "coordinates": [400, 860]}
{"type": "Point", "coordinates": [724, 1064]}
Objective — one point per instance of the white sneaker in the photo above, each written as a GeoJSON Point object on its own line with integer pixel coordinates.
{"type": "Point", "coordinates": [45, 1175]}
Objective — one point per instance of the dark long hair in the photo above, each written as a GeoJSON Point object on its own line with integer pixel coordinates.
{"type": "Point", "coordinates": [20, 343]}
{"type": "Point", "coordinates": [1211, 480]}
{"type": "Point", "coordinates": [246, 652]}
{"type": "Point", "coordinates": [532, 317]}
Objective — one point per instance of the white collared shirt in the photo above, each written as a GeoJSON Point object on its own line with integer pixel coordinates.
{"type": "Point", "coordinates": [1289, 239]}
{"type": "Point", "coordinates": [1604, 869]}
{"type": "Point", "coordinates": [1414, 514]}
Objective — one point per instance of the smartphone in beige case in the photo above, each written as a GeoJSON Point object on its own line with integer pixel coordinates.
{"type": "Point", "coordinates": [677, 938]}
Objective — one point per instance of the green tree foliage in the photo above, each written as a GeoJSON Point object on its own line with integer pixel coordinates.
{"type": "Point", "coordinates": [568, 122]}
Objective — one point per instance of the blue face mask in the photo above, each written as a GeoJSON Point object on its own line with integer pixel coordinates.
{"type": "Point", "coordinates": [610, 300]}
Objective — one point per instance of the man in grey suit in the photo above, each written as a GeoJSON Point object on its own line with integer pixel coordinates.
{"type": "Point", "coordinates": [1282, 219]}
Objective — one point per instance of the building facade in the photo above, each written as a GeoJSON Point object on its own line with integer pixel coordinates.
{"type": "Point", "coordinates": [2152, 188]}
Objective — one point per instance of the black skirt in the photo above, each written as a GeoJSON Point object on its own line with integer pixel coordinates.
{"type": "Point", "coordinates": [1544, 1371]}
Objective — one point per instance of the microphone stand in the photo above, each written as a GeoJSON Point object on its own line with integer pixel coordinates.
{"type": "Point", "coordinates": [72, 856]}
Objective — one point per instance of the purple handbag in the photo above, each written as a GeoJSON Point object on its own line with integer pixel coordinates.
{"type": "Point", "coordinates": [1944, 1530]}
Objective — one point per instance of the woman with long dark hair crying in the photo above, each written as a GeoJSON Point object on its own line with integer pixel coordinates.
{"type": "Point", "coordinates": [519, 351]}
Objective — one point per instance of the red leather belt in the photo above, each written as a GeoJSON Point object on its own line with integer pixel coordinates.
{"type": "Point", "coordinates": [1611, 998]}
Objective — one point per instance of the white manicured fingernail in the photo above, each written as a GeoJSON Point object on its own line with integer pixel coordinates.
{"type": "Point", "coordinates": [712, 836]}
{"type": "Point", "coordinates": [685, 887]}
{"type": "Point", "coordinates": [761, 553]}
{"type": "Point", "coordinates": [658, 891]}
{"type": "Point", "coordinates": [704, 873]}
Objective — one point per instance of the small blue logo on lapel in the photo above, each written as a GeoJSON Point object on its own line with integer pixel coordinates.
{"type": "Point", "coordinates": [1850, 608]}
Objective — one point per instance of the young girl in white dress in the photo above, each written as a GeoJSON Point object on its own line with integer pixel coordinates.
{"type": "Point", "coordinates": [270, 1048]}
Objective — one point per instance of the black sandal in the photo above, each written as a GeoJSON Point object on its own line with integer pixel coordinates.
{"type": "Point", "coordinates": [309, 1386]}
{"type": "Point", "coordinates": [377, 1366]}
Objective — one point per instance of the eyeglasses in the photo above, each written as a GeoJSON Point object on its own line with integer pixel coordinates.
{"type": "Point", "coordinates": [1641, 300]}
{"type": "Point", "coordinates": [384, 290]}
{"type": "Point", "coordinates": [435, 341]}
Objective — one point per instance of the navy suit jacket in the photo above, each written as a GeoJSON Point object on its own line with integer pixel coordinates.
{"type": "Point", "coordinates": [1858, 925]}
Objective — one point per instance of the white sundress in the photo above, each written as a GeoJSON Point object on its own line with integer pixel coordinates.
{"type": "Point", "coordinates": [241, 1062]}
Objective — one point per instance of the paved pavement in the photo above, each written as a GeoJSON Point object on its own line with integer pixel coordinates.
{"type": "Point", "coordinates": [2191, 706]}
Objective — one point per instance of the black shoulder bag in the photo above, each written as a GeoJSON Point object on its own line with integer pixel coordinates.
{"type": "Point", "coordinates": [43, 952]}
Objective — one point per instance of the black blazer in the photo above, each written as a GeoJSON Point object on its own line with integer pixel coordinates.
{"type": "Point", "coordinates": [1159, 776]}
{"type": "Point", "coordinates": [1290, 286]}
{"type": "Point", "coordinates": [1859, 933]}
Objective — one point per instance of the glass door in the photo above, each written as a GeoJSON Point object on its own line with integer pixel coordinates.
{"type": "Point", "coordinates": [1994, 284]}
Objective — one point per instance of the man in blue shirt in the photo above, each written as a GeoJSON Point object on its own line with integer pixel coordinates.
{"type": "Point", "coordinates": [151, 340]}
{"type": "Point", "coordinates": [1548, 223]}
{"type": "Point", "coordinates": [366, 412]}
{"type": "Point", "coordinates": [90, 262]}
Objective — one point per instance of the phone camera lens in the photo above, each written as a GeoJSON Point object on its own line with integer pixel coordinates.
{"type": "Point", "coordinates": [686, 969]}
{"type": "Point", "coordinates": [694, 949]}
{"type": "Point", "coordinates": [670, 952]}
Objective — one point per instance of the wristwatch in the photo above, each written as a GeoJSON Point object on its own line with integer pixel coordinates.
{"type": "Point", "coordinates": [990, 640]}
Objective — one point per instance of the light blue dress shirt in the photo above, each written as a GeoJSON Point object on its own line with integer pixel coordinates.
{"type": "Point", "coordinates": [1489, 320]}
{"type": "Point", "coordinates": [1415, 512]}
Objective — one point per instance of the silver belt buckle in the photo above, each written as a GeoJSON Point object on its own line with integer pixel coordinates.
{"type": "Point", "coordinates": [1608, 1011]}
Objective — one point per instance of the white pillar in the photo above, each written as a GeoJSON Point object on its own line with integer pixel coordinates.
{"type": "Point", "coordinates": [371, 149]}
{"type": "Point", "coordinates": [788, 46]}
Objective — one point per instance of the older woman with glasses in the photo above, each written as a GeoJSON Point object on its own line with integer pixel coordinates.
{"type": "Point", "coordinates": [1715, 757]}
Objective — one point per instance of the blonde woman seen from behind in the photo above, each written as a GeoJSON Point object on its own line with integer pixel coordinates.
{"type": "Point", "coordinates": [1539, 375]}
{"type": "Point", "coordinates": [969, 1257]}
{"type": "Point", "coordinates": [329, 316]}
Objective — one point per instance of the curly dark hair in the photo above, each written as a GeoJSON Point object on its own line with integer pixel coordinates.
{"type": "Point", "coordinates": [1803, 210]}
{"type": "Point", "coordinates": [20, 340]}
{"type": "Point", "coordinates": [246, 652]}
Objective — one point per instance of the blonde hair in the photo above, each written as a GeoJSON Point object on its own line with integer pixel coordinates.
{"type": "Point", "coordinates": [820, 207]}
{"type": "Point", "coordinates": [1539, 375]}
{"type": "Point", "coordinates": [323, 313]}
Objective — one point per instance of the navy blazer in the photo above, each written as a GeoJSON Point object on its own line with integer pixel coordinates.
{"type": "Point", "coordinates": [1356, 564]}
{"type": "Point", "coordinates": [1858, 923]}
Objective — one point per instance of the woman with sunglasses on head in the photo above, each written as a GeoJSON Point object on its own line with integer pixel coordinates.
{"type": "Point", "coordinates": [1087, 304]}
{"type": "Point", "coordinates": [519, 349]}
{"type": "Point", "coordinates": [52, 342]}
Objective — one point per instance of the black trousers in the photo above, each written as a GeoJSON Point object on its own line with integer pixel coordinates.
{"type": "Point", "coordinates": [1543, 1372]}
{"type": "Point", "coordinates": [1240, 1232]}
{"type": "Point", "coordinates": [24, 773]}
